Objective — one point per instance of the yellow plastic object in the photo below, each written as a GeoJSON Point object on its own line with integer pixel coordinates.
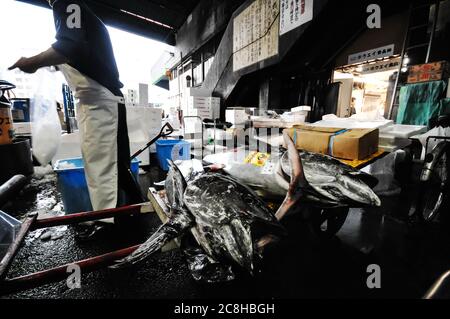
{"type": "Point", "coordinates": [359, 163]}
{"type": "Point", "coordinates": [6, 126]}
{"type": "Point", "coordinates": [257, 158]}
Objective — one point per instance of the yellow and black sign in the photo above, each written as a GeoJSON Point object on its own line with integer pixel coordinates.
{"type": "Point", "coordinates": [257, 158]}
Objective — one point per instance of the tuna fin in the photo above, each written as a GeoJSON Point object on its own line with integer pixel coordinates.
{"type": "Point", "coordinates": [295, 161]}
{"type": "Point", "coordinates": [178, 186]}
{"type": "Point", "coordinates": [179, 178]}
{"type": "Point", "coordinates": [170, 230]}
{"type": "Point", "coordinates": [298, 181]}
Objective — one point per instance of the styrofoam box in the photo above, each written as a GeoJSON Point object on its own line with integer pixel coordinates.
{"type": "Point", "coordinates": [295, 118]}
{"type": "Point", "coordinates": [397, 136]}
{"type": "Point", "coordinates": [22, 128]}
{"type": "Point", "coordinates": [402, 131]}
{"type": "Point", "coordinates": [207, 102]}
{"type": "Point", "coordinates": [236, 116]}
{"type": "Point", "coordinates": [303, 108]}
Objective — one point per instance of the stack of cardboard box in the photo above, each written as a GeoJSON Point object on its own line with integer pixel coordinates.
{"type": "Point", "coordinates": [204, 107]}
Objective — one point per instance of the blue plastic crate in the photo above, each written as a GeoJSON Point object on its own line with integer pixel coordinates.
{"type": "Point", "coordinates": [172, 149]}
{"type": "Point", "coordinates": [20, 110]}
{"type": "Point", "coordinates": [73, 187]}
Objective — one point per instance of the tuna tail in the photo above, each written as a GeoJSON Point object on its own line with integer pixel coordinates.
{"type": "Point", "coordinates": [298, 181]}
{"type": "Point", "coordinates": [170, 230]}
{"type": "Point", "coordinates": [180, 220]}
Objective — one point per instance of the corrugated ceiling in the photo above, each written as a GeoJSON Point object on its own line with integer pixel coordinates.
{"type": "Point", "coordinates": [156, 19]}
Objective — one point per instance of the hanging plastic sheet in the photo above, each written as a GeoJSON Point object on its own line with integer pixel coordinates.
{"type": "Point", "coordinates": [46, 126]}
{"type": "Point", "coordinates": [420, 102]}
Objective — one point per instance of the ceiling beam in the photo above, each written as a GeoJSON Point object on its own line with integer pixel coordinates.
{"type": "Point", "coordinates": [125, 20]}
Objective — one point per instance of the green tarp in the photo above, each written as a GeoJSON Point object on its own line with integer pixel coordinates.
{"type": "Point", "coordinates": [420, 102]}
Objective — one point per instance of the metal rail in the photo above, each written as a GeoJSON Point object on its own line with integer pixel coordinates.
{"type": "Point", "coordinates": [59, 273]}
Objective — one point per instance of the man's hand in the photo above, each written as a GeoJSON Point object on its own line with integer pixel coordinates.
{"type": "Point", "coordinates": [49, 57]}
{"type": "Point", "coordinates": [27, 65]}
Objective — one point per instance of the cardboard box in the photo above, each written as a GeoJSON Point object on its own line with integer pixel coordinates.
{"type": "Point", "coordinates": [351, 144]}
{"type": "Point", "coordinates": [22, 128]}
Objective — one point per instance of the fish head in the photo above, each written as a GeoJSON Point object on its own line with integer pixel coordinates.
{"type": "Point", "coordinates": [358, 191]}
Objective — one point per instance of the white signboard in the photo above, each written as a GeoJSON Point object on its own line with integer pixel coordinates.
{"type": "Point", "coordinates": [255, 33]}
{"type": "Point", "coordinates": [391, 64]}
{"type": "Point", "coordinates": [372, 54]}
{"type": "Point", "coordinates": [294, 13]}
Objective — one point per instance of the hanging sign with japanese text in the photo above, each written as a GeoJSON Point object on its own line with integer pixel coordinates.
{"type": "Point", "coordinates": [255, 33]}
{"type": "Point", "coordinates": [372, 54]}
{"type": "Point", "coordinates": [294, 13]}
{"type": "Point", "coordinates": [391, 64]}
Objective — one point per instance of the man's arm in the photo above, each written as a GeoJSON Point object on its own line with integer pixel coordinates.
{"type": "Point", "coordinates": [49, 57]}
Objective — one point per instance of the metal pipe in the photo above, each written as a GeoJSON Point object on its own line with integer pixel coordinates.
{"type": "Point", "coordinates": [402, 58]}
{"type": "Point", "coordinates": [60, 273]}
{"type": "Point", "coordinates": [11, 187]}
{"type": "Point", "coordinates": [438, 287]}
{"type": "Point", "coordinates": [433, 29]}
{"type": "Point", "coordinates": [87, 216]}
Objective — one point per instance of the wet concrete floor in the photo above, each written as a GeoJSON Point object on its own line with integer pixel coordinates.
{"type": "Point", "coordinates": [301, 266]}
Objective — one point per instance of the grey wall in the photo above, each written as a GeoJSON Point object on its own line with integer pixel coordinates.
{"type": "Point", "coordinates": [208, 19]}
{"type": "Point", "coordinates": [392, 31]}
{"type": "Point", "coordinates": [221, 79]}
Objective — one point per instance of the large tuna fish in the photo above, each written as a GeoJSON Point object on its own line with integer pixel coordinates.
{"type": "Point", "coordinates": [334, 183]}
{"type": "Point", "coordinates": [228, 220]}
{"type": "Point", "coordinates": [230, 223]}
{"type": "Point", "coordinates": [330, 182]}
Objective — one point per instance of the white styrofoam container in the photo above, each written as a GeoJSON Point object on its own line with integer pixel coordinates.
{"type": "Point", "coordinates": [402, 131]}
{"type": "Point", "coordinates": [350, 123]}
{"type": "Point", "coordinates": [295, 118]}
{"type": "Point", "coordinates": [302, 108]}
{"type": "Point", "coordinates": [192, 125]}
{"type": "Point", "coordinates": [236, 116]}
{"type": "Point", "coordinates": [396, 136]}
{"type": "Point", "coordinates": [22, 128]}
{"type": "Point", "coordinates": [393, 147]}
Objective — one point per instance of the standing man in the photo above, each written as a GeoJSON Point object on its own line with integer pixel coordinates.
{"type": "Point", "coordinates": [83, 53]}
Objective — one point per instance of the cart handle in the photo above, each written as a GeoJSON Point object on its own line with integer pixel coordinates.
{"type": "Point", "coordinates": [166, 130]}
